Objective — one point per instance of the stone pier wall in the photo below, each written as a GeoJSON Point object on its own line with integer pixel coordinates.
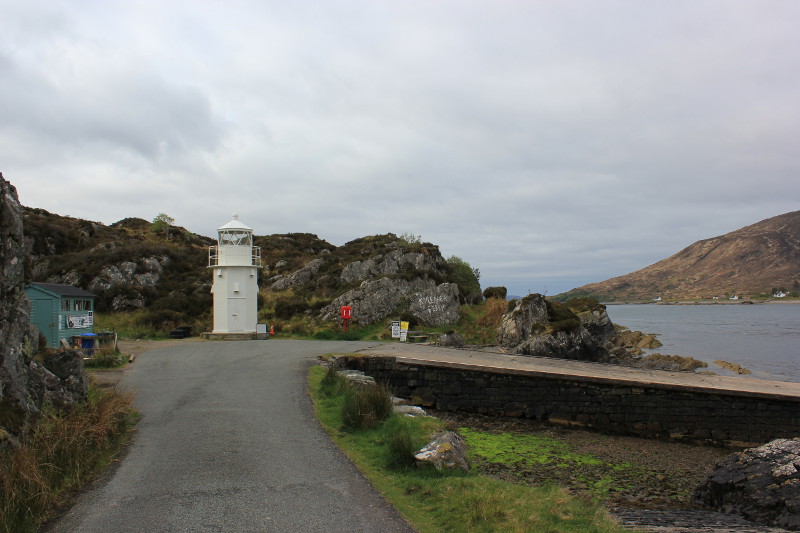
{"type": "Point", "coordinates": [605, 405]}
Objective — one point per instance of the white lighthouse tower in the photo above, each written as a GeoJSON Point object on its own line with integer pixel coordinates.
{"type": "Point", "coordinates": [235, 263]}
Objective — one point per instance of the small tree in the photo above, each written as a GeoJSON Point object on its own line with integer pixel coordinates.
{"type": "Point", "coordinates": [161, 223]}
{"type": "Point", "coordinates": [467, 279]}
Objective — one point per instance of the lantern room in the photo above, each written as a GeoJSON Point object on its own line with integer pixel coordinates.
{"type": "Point", "coordinates": [235, 262]}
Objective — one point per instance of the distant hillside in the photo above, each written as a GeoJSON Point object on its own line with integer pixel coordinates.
{"type": "Point", "coordinates": [133, 264]}
{"type": "Point", "coordinates": [749, 261]}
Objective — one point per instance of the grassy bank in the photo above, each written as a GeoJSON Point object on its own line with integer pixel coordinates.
{"type": "Point", "coordinates": [434, 501]}
{"type": "Point", "coordinates": [64, 451]}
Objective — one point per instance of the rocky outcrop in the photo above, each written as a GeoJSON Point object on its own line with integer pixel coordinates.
{"type": "Point", "coordinates": [629, 343]}
{"type": "Point", "coordinates": [436, 306]}
{"type": "Point", "coordinates": [761, 484]}
{"type": "Point", "coordinates": [17, 337]}
{"type": "Point", "coordinates": [128, 279]}
{"type": "Point", "coordinates": [390, 264]}
{"type": "Point", "coordinates": [658, 361]}
{"type": "Point", "coordinates": [539, 327]}
{"type": "Point", "coordinates": [25, 386]}
{"type": "Point", "coordinates": [298, 278]}
{"type": "Point", "coordinates": [431, 304]}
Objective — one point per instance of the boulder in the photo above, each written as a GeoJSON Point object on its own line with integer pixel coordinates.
{"type": "Point", "coordinates": [453, 340]}
{"type": "Point", "coordinates": [409, 410]}
{"type": "Point", "coordinates": [357, 378]}
{"type": "Point", "coordinates": [375, 300]}
{"type": "Point", "coordinates": [761, 484]}
{"type": "Point", "coordinates": [446, 451]}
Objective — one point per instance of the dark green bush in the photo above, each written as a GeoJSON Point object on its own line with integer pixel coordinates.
{"type": "Point", "coordinates": [288, 306]}
{"type": "Point", "coordinates": [366, 406]}
{"type": "Point", "coordinates": [160, 318]}
{"type": "Point", "coordinates": [401, 443]}
{"type": "Point", "coordinates": [409, 317]}
{"type": "Point", "coordinates": [495, 292]}
{"type": "Point", "coordinates": [467, 279]}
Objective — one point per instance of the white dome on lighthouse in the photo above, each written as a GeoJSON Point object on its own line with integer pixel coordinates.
{"type": "Point", "coordinates": [235, 224]}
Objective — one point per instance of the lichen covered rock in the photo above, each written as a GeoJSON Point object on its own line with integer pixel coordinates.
{"type": "Point", "coordinates": [431, 304]}
{"type": "Point", "coordinates": [446, 451]}
{"type": "Point", "coordinates": [761, 484]}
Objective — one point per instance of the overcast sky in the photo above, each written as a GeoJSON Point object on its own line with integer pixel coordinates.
{"type": "Point", "coordinates": [548, 143]}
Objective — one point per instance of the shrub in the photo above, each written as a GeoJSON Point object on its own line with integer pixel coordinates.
{"type": "Point", "coordinates": [160, 318]}
{"type": "Point", "coordinates": [467, 279]}
{"type": "Point", "coordinates": [332, 383]}
{"type": "Point", "coordinates": [401, 443]}
{"type": "Point", "coordinates": [366, 406]}
{"type": "Point", "coordinates": [62, 451]}
{"type": "Point", "coordinates": [288, 306]}
{"type": "Point", "coordinates": [494, 311]}
{"type": "Point", "coordinates": [495, 292]}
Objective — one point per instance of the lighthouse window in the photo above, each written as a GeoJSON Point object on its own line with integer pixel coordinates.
{"type": "Point", "coordinates": [235, 238]}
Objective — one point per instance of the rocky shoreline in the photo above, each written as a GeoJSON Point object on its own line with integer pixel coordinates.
{"type": "Point", "coordinates": [649, 484]}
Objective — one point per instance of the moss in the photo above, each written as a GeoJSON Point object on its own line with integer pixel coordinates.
{"type": "Point", "coordinates": [561, 317]}
{"type": "Point", "coordinates": [520, 454]}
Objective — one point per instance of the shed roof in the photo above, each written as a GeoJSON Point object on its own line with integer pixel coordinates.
{"type": "Point", "coordinates": [63, 290]}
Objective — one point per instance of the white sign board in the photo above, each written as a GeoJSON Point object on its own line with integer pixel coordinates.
{"type": "Point", "coordinates": [395, 329]}
{"type": "Point", "coordinates": [79, 321]}
{"type": "Point", "coordinates": [403, 331]}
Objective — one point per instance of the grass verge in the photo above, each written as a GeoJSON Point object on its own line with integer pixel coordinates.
{"type": "Point", "coordinates": [434, 501]}
{"type": "Point", "coordinates": [63, 451]}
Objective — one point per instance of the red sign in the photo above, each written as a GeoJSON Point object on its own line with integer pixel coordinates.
{"type": "Point", "coordinates": [347, 312]}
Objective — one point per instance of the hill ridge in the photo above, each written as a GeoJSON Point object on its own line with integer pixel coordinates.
{"type": "Point", "coordinates": [749, 261]}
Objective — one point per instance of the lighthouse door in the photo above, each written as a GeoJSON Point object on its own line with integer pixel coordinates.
{"type": "Point", "coordinates": [236, 309]}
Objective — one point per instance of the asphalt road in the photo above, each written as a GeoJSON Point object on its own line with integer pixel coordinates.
{"type": "Point", "coordinates": [228, 442]}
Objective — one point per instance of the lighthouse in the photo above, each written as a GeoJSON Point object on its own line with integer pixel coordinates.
{"type": "Point", "coordinates": [234, 262]}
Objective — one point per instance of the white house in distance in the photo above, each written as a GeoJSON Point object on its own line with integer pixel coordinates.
{"type": "Point", "coordinates": [235, 262]}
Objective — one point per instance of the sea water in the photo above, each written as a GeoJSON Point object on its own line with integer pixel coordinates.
{"type": "Point", "coordinates": [764, 338]}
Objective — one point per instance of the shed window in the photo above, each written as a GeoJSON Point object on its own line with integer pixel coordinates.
{"type": "Point", "coordinates": [65, 305]}
{"type": "Point", "coordinates": [81, 305]}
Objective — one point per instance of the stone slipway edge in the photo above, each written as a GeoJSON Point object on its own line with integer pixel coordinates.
{"type": "Point", "coordinates": [553, 368]}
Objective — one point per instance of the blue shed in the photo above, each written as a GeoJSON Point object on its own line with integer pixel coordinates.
{"type": "Point", "coordinates": [60, 311]}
